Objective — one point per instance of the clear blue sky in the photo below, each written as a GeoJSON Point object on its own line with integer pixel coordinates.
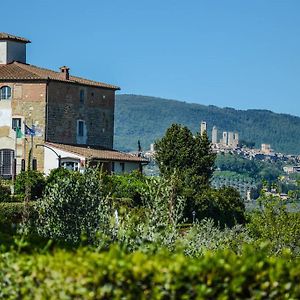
{"type": "Point", "coordinates": [234, 53]}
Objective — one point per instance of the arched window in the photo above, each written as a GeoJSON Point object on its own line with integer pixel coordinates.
{"type": "Point", "coordinates": [5, 93]}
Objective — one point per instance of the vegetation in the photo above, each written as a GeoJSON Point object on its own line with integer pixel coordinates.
{"type": "Point", "coordinates": [99, 236]}
{"type": "Point", "coordinates": [147, 118]}
{"type": "Point", "coordinates": [85, 274]}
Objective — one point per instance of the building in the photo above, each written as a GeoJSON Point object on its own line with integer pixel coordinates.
{"type": "Point", "coordinates": [214, 135]}
{"type": "Point", "coordinates": [266, 149]}
{"type": "Point", "coordinates": [67, 116]}
{"type": "Point", "coordinates": [203, 127]}
{"type": "Point", "coordinates": [224, 140]}
{"type": "Point", "coordinates": [230, 139]}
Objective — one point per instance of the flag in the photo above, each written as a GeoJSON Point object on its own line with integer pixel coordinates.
{"type": "Point", "coordinates": [29, 131]}
{"type": "Point", "coordinates": [19, 133]}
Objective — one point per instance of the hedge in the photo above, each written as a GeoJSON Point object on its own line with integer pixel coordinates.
{"type": "Point", "coordinates": [84, 274]}
{"type": "Point", "coordinates": [11, 212]}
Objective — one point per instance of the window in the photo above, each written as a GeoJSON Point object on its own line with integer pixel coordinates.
{"type": "Point", "coordinates": [70, 165]}
{"type": "Point", "coordinates": [16, 123]}
{"type": "Point", "coordinates": [81, 96]}
{"type": "Point", "coordinates": [5, 93]}
{"type": "Point", "coordinates": [122, 165]}
{"type": "Point", "coordinates": [6, 163]}
{"type": "Point", "coordinates": [80, 128]}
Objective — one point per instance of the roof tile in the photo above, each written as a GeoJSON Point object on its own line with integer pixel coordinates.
{"type": "Point", "coordinates": [93, 152]}
{"type": "Point", "coordinates": [20, 71]}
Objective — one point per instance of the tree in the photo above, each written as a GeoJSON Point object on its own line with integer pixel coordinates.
{"type": "Point", "coordinates": [191, 156]}
{"type": "Point", "coordinates": [174, 150]}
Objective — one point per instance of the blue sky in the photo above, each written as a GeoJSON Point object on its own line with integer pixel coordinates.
{"type": "Point", "coordinates": [230, 53]}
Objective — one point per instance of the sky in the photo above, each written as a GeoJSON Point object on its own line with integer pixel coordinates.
{"type": "Point", "coordinates": [243, 54]}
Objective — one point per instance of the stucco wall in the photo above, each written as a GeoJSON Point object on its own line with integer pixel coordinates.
{"type": "Point", "coordinates": [128, 167]}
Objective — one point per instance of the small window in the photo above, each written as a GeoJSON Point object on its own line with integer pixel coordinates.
{"type": "Point", "coordinates": [81, 96]}
{"type": "Point", "coordinates": [16, 123]}
{"type": "Point", "coordinates": [5, 93]}
{"type": "Point", "coordinates": [122, 165]}
{"type": "Point", "coordinates": [80, 129]}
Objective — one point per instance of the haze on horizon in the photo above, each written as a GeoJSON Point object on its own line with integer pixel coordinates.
{"type": "Point", "coordinates": [240, 54]}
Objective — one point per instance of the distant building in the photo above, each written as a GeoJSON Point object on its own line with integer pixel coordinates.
{"type": "Point", "coordinates": [291, 169]}
{"type": "Point", "coordinates": [224, 140]}
{"type": "Point", "coordinates": [230, 139]}
{"type": "Point", "coordinates": [214, 135]}
{"type": "Point", "coordinates": [266, 148]}
{"type": "Point", "coordinates": [203, 127]}
{"type": "Point", "coordinates": [236, 139]}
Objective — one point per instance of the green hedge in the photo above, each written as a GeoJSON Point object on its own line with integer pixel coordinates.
{"type": "Point", "coordinates": [84, 274]}
{"type": "Point", "coordinates": [11, 212]}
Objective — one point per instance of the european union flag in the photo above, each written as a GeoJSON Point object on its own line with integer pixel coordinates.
{"type": "Point", "coordinates": [29, 131]}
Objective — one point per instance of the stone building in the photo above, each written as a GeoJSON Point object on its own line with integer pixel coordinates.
{"type": "Point", "coordinates": [67, 113]}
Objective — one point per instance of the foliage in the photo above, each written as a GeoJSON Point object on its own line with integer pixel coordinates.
{"type": "Point", "coordinates": [157, 223]}
{"type": "Point", "coordinates": [34, 180]}
{"type": "Point", "coordinates": [255, 169]}
{"type": "Point", "coordinates": [276, 224]}
{"type": "Point", "coordinates": [12, 212]}
{"type": "Point", "coordinates": [74, 207]}
{"type": "Point", "coordinates": [147, 118]}
{"type": "Point", "coordinates": [4, 191]}
{"type": "Point", "coordinates": [56, 175]}
{"type": "Point", "coordinates": [192, 157]}
{"type": "Point", "coordinates": [85, 274]}
{"type": "Point", "coordinates": [125, 186]}
{"type": "Point", "coordinates": [223, 205]}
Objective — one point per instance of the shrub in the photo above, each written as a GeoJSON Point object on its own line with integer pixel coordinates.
{"type": "Point", "coordinates": [56, 175]}
{"type": "Point", "coordinates": [126, 186]}
{"type": "Point", "coordinates": [34, 180]}
{"type": "Point", "coordinates": [276, 224]}
{"type": "Point", "coordinates": [5, 192]}
{"type": "Point", "coordinates": [223, 205]}
{"type": "Point", "coordinates": [84, 274]}
{"type": "Point", "coordinates": [74, 206]}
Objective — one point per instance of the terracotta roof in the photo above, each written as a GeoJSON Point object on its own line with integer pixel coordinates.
{"type": "Point", "coordinates": [95, 153]}
{"type": "Point", "coordinates": [7, 36]}
{"type": "Point", "coordinates": [20, 71]}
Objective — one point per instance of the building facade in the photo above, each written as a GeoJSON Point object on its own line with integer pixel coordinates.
{"type": "Point", "coordinates": [59, 109]}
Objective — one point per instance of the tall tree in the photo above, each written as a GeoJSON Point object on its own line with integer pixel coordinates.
{"type": "Point", "coordinates": [191, 156]}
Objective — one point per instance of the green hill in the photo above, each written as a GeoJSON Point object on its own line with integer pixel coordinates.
{"type": "Point", "coordinates": [147, 118]}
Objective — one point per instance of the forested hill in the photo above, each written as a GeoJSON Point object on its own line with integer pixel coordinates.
{"type": "Point", "coordinates": [147, 118]}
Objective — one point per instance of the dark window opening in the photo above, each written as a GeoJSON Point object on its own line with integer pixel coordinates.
{"type": "Point", "coordinates": [81, 96]}
{"type": "Point", "coordinates": [80, 128]}
{"type": "Point", "coordinates": [16, 123]}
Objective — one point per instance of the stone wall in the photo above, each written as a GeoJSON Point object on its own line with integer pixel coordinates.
{"type": "Point", "coordinates": [65, 108]}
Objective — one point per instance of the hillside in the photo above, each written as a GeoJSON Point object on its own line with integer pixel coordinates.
{"type": "Point", "coordinates": [147, 118]}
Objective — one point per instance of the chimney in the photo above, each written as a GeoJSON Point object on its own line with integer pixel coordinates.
{"type": "Point", "coordinates": [65, 71]}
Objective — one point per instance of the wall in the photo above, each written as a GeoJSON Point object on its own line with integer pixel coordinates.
{"type": "Point", "coordinates": [129, 167]}
{"type": "Point", "coordinates": [29, 103]}
{"type": "Point", "coordinates": [65, 109]}
{"type": "Point", "coordinates": [3, 51]}
{"type": "Point", "coordinates": [11, 50]}
{"type": "Point", "coordinates": [16, 51]}
{"type": "Point", "coordinates": [51, 159]}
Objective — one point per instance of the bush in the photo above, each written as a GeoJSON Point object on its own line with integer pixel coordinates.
{"type": "Point", "coordinates": [34, 180]}
{"type": "Point", "coordinates": [56, 175]}
{"type": "Point", "coordinates": [5, 193]}
{"type": "Point", "coordinates": [223, 205]}
{"type": "Point", "coordinates": [276, 224]}
{"type": "Point", "coordinates": [126, 186]}
{"type": "Point", "coordinates": [74, 206]}
{"type": "Point", "coordinates": [84, 274]}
